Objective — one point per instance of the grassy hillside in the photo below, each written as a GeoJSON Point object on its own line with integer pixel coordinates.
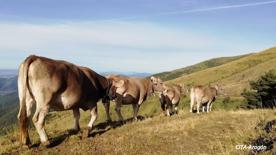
{"type": "Point", "coordinates": [8, 111]}
{"type": "Point", "coordinates": [214, 133]}
{"type": "Point", "coordinates": [233, 76]}
{"type": "Point", "coordinates": [197, 67]}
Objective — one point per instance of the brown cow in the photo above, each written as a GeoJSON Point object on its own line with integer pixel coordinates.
{"type": "Point", "coordinates": [56, 85]}
{"type": "Point", "coordinates": [170, 98]}
{"type": "Point", "coordinates": [201, 95]}
{"type": "Point", "coordinates": [130, 90]}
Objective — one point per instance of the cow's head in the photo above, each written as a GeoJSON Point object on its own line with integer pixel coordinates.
{"type": "Point", "coordinates": [183, 89]}
{"type": "Point", "coordinates": [220, 90]}
{"type": "Point", "coordinates": [157, 83]}
{"type": "Point", "coordinates": [118, 87]}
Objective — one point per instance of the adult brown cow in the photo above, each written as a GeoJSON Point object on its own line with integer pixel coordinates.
{"type": "Point", "coordinates": [201, 95]}
{"type": "Point", "coordinates": [130, 90]}
{"type": "Point", "coordinates": [56, 85]}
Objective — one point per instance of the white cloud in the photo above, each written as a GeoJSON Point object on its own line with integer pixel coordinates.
{"type": "Point", "coordinates": [20, 36]}
{"type": "Point", "coordinates": [112, 46]}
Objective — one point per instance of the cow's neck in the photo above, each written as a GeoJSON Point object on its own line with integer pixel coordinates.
{"type": "Point", "coordinates": [150, 88]}
{"type": "Point", "coordinates": [104, 83]}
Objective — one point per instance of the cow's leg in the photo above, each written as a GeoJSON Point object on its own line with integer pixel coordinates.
{"type": "Point", "coordinates": [176, 108]}
{"type": "Point", "coordinates": [135, 111]}
{"type": "Point", "coordinates": [192, 102]}
{"type": "Point", "coordinates": [168, 109]}
{"type": "Point", "coordinates": [118, 111]}
{"type": "Point", "coordinates": [203, 108]}
{"type": "Point", "coordinates": [192, 97]}
{"type": "Point", "coordinates": [106, 107]}
{"type": "Point", "coordinates": [208, 105]}
{"type": "Point", "coordinates": [41, 113]}
{"type": "Point", "coordinates": [175, 103]}
{"type": "Point", "coordinates": [168, 112]}
{"type": "Point", "coordinates": [76, 113]}
{"type": "Point", "coordinates": [198, 105]}
{"type": "Point", "coordinates": [191, 107]}
{"type": "Point", "coordinates": [211, 104]}
{"type": "Point", "coordinates": [94, 115]}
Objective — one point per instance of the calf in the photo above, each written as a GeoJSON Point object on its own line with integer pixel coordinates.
{"type": "Point", "coordinates": [170, 98]}
{"type": "Point", "coordinates": [201, 95]}
{"type": "Point", "coordinates": [130, 90]}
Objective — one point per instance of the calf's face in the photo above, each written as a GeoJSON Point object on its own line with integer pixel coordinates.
{"type": "Point", "coordinates": [158, 85]}
{"type": "Point", "coordinates": [220, 90]}
{"type": "Point", "coordinates": [117, 87]}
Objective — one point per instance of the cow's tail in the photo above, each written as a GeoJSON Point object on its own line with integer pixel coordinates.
{"type": "Point", "coordinates": [192, 98]}
{"type": "Point", "coordinates": [22, 90]}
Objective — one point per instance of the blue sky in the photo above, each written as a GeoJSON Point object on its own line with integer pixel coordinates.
{"type": "Point", "coordinates": [134, 36]}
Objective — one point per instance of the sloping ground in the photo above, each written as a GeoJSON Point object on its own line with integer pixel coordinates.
{"type": "Point", "coordinates": [235, 75]}
{"type": "Point", "coordinates": [197, 67]}
{"type": "Point", "coordinates": [215, 133]}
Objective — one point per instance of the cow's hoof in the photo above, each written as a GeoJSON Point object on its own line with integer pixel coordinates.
{"type": "Point", "coordinates": [45, 144]}
{"type": "Point", "coordinates": [25, 146]}
{"type": "Point", "coordinates": [109, 121]}
{"type": "Point", "coordinates": [85, 133]}
{"type": "Point", "coordinates": [73, 131]}
{"type": "Point", "coordinates": [121, 122]}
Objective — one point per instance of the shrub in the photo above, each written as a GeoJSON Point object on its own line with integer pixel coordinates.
{"type": "Point", "coordinates": [263, 92]}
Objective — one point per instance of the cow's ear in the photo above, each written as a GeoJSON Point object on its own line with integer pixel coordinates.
{"type": "Point", "coordinates": [152, 78]}
{"type": "Point", "coordinates": [159, 80]}
{"type": "Point", "coordinates": [217, 87]}
{"type": "Point", "coordinates": [120, 83]}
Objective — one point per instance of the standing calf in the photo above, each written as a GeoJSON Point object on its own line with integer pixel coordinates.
{"type": "Point", "coordinates": [130, 90]}
{"type": "Point", "coordinates": [201, 95]}
{"type": "Point", "coordinates": [170, 98]}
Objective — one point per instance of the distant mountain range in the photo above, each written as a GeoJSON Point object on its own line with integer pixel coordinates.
{"type": "Point", "coordinates": [8, 73]}
{"type": "Point", "coordinates": [8, 85]}
{"type": "Point", "coordinates": [8, 79]}
{"type": "Point", "coordinates": [131, 74]}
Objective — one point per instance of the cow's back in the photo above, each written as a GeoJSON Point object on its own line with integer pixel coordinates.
{"type": "Point", "coordinates": [63, 82]}
{"type": "Point", "coordinates": [142, 87]}
{"type": "Point", "coordinates": [204, 94]}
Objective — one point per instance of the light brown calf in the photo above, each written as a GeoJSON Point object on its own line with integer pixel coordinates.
{"type": "Point", "coordinates": [129, 90]}
{"type": "Point", "coordinates": [201, 95]}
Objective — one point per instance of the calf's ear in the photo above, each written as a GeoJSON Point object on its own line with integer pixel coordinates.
{"type": "Point", "coordinates": [159, 80]}
{"type": "Point", "coordinates": [119, 83]}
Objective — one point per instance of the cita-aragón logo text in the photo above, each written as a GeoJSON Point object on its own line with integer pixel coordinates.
{"type": "Point", "coordinates": [250, 147]}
